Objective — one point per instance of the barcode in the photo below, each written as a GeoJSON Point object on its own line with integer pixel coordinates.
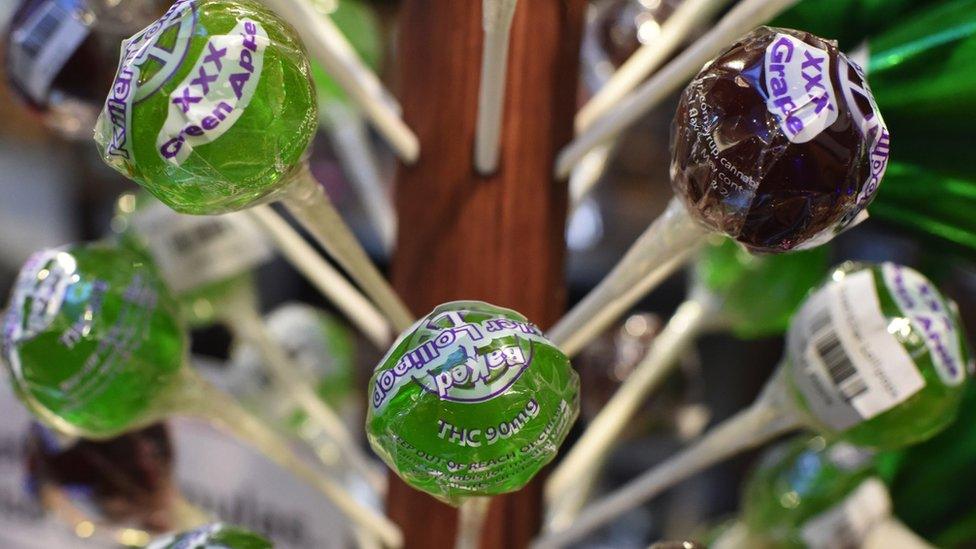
{"type": "Point", "coordinates": [197, 235]}
{"type": "Point", "coordinates": [831, 352]}
{"type": "Point", "coordinates": [40, 33]}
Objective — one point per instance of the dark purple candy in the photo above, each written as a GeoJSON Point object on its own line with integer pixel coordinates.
{"type": "Point", "coordinates": [778, 142]}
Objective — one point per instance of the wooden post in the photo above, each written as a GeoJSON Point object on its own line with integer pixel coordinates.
{"type": "Point", "coordinates": [498, 238]}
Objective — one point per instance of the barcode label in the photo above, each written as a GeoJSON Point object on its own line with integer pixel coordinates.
{"type": "Point", "coordinates": [193, 250]}
{"type": "Point", "coordinates": [847, 365]}
{"type": "Point", "coordinates": [40, 47]}
{"type": "Point", "coordinates": [848, 523]}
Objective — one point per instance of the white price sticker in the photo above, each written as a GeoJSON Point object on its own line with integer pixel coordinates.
{"type": "Point", "coordinates": [848, 523]}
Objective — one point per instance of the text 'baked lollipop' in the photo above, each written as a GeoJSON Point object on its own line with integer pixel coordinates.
{"type": "Point", "coordinates": [776, 143]}
{"type": "Point", "coordinates": [212, 110]}
{"type": "Point", "coordinates": [875, 357]}
{"type": "Point", "coordinates": [94, 347]}
{"type": "Point", "coordinates": [471, 401]}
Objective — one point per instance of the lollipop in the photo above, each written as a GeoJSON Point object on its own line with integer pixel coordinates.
{"type": "Point", "coordinates": [122, 487]}
{"type": "Point", "coordinates": [808, 493]}
{"type": "Point", "coordinates": [94, 348]}
{"type": "Point", "coordinates": [344, 124]}
{"type": "Point", "coordinates": [330, 48]}
{"type": "Point", "coordinates": [732, 289]}
{"type": "Point", "coordinates": [471, 402]}
{"type": "Point", "coordinates": [497, 22]}
{"type": "Point", "coordinates": [61, 57]}
{"type": "Point", "coordinates": [207, 261]}
{"type": "Point", "coordinates": [875, 357]}
{"type": "Point", "coordinates": [224, 124]}
{"type": "Point", "coordinates": [755, 156]}
{"type": "Point", "coordinates": [213, 536]}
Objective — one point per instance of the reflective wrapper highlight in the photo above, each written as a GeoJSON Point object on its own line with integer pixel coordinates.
{"type": "Point", "coordinates": [778, 142]}
{"type": "Point", "coordinates": [212, 106]}
{"type": "Point", "coordinates": [471, 401]}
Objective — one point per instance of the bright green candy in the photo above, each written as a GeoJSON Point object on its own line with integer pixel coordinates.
{"type": "Point", "coordinates": [798, 481]}
{"type": "Point", "coordinates": [224, 121]}
{"type": "Point", "coordinates": [471, 401]}
{"type": "Point", "coordinates": [759, 293]}
{"type": "Point", "coordinates": [214, 536]}
{"type": "Point", "coordinates": [92, 339]}
{"type": "Point", "coordinates": [359, 25]}
{"type": "Point", "coordinates": [878, 357]}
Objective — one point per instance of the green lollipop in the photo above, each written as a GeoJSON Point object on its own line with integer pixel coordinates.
{"type": "Point", "coordinates": [874, 357]}
{"type": "Point", "coordinates": [94, 347]}
{"type": "Point", "coordinates": [214, 536]}
{"type": "Point", "coordinates": [808, 493]}
{"type": "Point", "coordinates": [471, 401]}
{"type": "Point", "coordinates": [213, 110]}
{"type": "Point", "coordinates": [753, 296]}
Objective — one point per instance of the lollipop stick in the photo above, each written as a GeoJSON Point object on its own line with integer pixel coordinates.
{"type": "Point", "coordinates": [737, 21]}
{"type": "Point", "coordinates": [586, 455]}
{"type": "Point", "coordinates": [768, 417]}
{"type": "Point", "coordinates": [663, 247]}
{"type": "Point", "coordinates": [471, 522]}
{"type": "Point", "coordinates": [330, 48]}
{"type": "Point", "coordinates": [347, 132]}
{"type": "Point", "coordinates": [893, 533]}
{"type": "Point", "coordinates": [200, 399]}
{"type": "Point", "coordinates": [307, 201]}
{"type": "Point", "coordinates": [247, 325]}
{"type": "Point", "coordinates": [329, 282]}
{"type": "Point", "coordinates": [735, 536]}
{"type": "Point", "coordinates": [647, 58]}
{"type": "Point", "coordinates": [587, 174]}
{"type": "Point", "coordinates": [497, 22]}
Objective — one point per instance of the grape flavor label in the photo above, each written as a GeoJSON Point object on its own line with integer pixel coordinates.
{"type": "Point", "coordinates": [194, 250]}
{"type": "Point", "coordinates": [848, 523]}
{"type": "Point", "coordinates": [460, 363]}
{"type": "Point", "coordinates": [927, 311]}
{"type": "Point", "coordinates": [800, 89]}
{"type": "Point", "coordinates": [114, 127]}
{"type": "Point", "coordinates": [215, 92]}
{"type": "Point", "coordinates": [848, 366]}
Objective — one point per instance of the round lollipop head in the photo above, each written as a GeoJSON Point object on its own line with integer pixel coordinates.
{"type": "Point", "coordinates": [799, 481]}
{"type": "Point", "coordinates": [213, 536]}
{"type": "Point", "coordinates": [471, 401]}
{"type": "Point", "coordinates": [212, 107]}
{"type": "Point", "coordinates": [778, 142]}
{"type": "Point", "coordinates": [127, 480]}
{"type": "Point", "coordinates": [877, 356]}
{"type": "Point", "coordinates": [92, 341]}
{"type": "Point", "coordinates": [759, 293]}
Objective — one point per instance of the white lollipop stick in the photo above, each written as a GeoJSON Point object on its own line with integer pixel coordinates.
{"type": "Point", "coordinates": [497, 21]}
{"type": "Point", "coordinates": [347, 132]}
{"type": "Point", "coordinates": [585, 457]}
{"type": "Point", "coordinates": [247, 325]}
{"type": "Point", "coordinates": [471, 522]}
{"type": "Point", "coordinates": [587, 174]}
{"type": "Point", "coordinates": [893, 533]}
{"type": "Point", "coordinates": [765, 419]}
{"type": "Point", "coordinates": [742, 18]}
{"type": "Point", "coordinates": [323, 276]}
{"type": "Point", "coordinates": [330, 48]}
{"type": "Point", "coordinates": [689, 15]}
{"type": "Point", "coordinates": [666, 245]}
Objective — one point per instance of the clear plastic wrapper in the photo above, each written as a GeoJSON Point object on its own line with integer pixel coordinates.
{"type": "Point", "coordinates": [212, 108]}
{"type": "Point", "coordinates": [471, 401]}
{"type": "Point", "coordinates": [213, 536]}
{"type": "Point", "coordinates": [778, 141]}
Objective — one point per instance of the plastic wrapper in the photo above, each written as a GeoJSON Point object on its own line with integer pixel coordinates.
{"type": "Point", "coordinates": [212, 108]}
{"type": "Point", "coordinates": [92, 340]}
{"type": "Point", "coordinates": [471, 401]}
{"type": "Point", "coordinates": [807, 493]}
{"type": "Point", "coordinates": [877, 356]}
{"type": "Point", "coordinates": [758, 294]}
{"type": "Point", "coordinates": [778, 142]}
{"type": "Point", "coordinates": [127, 481]}
{"type": "Point", "coordinates": [213, 536]}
